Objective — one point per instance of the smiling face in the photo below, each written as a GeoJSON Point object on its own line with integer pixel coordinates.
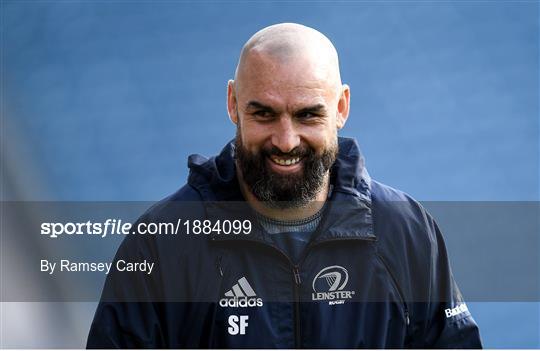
{"type": "Point", "coordinates": [288, 103]}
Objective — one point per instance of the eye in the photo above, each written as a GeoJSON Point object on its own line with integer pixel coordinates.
{"type": "Point", "coordinates": [307, 115]}
{"type": "Point", "coordinates": [263, 114]}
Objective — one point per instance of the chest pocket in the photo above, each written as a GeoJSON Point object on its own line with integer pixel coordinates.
{"type": "Point", "coordinates": [350, 300]}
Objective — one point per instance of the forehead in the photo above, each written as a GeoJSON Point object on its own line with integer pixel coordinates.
{"type": "Point", "coordinates": [291, 82]}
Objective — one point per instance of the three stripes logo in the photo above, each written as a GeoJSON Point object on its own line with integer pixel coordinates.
{"type": "Point", "coordinates": [328, 285]}
{"type": "Point", "coordinates": [241, 295]}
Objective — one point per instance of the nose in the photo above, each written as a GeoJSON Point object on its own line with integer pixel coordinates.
{"type": "Point", "coordinates": [285, 136]}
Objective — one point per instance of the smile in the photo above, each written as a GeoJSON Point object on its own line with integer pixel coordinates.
{"type": "Point", "coordinates": [285, 161]}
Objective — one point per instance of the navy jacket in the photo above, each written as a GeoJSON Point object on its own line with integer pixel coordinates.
{"type": "Point", "coordinates": [374, 275]}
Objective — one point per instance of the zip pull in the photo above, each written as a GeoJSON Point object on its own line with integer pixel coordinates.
{"type": "Point", "coordinates": [408, 321]}
{"type": "Point", "coordinates": [296, 273]}
{"type": "Point", "coordinates": [218, 265]}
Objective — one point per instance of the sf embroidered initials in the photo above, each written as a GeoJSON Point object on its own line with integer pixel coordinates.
{"type": "Point", "coordinates": [238, 324]}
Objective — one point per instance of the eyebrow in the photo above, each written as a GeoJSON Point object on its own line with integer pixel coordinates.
{"type": "Point", "coordinates": [318, 108]}
{"type": "Point", "coordinates": [259, 106]}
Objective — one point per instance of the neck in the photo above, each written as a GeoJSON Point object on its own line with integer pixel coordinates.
{"type": "Point", "coordinates": [288, 214]}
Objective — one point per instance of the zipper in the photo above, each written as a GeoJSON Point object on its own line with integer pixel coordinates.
{"type": "Point", "coordinates": [296, 286]}
{"type": "Point", "coordinates": [296, 275]}
{"type": "Point", "coordinates": [214, 312]}
{"type": "Point", "coordinates": [297, 326]}
{"type": "Point", "coordinates": [398, 289]}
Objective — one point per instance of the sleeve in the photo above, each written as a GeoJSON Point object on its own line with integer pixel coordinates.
{"type": "Point", "coordinates": [126, 316]}
{"type": "Point", "coordinates": [448, 323]}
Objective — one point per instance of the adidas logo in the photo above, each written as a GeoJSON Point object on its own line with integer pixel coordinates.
{"type": "Point", "coordinates": [241, 295]}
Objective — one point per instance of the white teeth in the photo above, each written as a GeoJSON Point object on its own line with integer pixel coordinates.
{"type": "Point", "coordinates": [286, 162]}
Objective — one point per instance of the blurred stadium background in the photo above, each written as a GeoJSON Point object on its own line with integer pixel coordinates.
{"type": "Point", "coordinates": [104, 101]}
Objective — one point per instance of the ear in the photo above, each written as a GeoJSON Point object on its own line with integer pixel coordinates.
{"type": "Point", "coordinates": [343, 106]}
{"type": "Point", "coordinates": [232, 107]}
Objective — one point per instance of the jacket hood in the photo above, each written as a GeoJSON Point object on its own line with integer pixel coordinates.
{"type": "Point", "coordinates": [215, 180]}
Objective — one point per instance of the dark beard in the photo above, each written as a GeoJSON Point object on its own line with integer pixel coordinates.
{"type": "Point", "coordinates": [284, 191]}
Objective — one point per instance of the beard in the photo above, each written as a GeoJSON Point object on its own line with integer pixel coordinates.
{"type": "Point", "coordinates": [284, 191]}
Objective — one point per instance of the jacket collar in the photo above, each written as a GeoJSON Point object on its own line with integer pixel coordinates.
{"type": "Point", "coordinates": [349, 213]}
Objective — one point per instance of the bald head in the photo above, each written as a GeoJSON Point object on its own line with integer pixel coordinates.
{"type": "Point", "coordinates": [291, 45]}
{"type": "Point", "coordinates": [288, 72]}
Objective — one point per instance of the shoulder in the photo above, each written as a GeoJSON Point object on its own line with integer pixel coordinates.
{"type": "Point", "coordinates": [185, 200]}
{"type": "Point", "coordinates": [167, 217]}
{"type": "Point", "coordinates": [397, 212]}
{"type": "Point", "coordinates": [407, 238]}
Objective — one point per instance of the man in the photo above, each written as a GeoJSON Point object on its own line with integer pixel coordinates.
{"type": "Point", "coordinates": [333, 259]}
